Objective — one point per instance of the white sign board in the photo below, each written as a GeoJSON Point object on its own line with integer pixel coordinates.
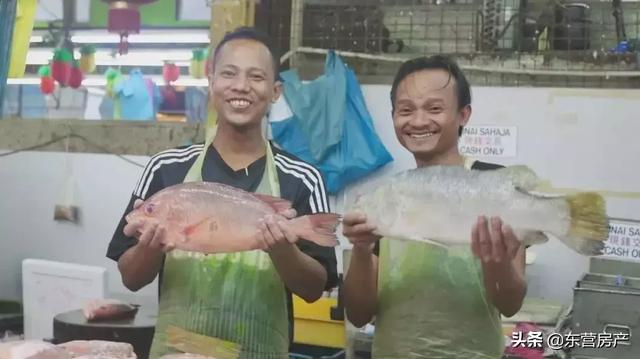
{"type": "Point", "coordinates": [488, 141]}
{"type": "Point", "coordinates": [624, 240]}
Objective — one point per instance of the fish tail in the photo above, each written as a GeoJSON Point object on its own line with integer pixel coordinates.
{"type": "Point", "coordinates": [589, 223]}
{"type": "Point", "coordinates": [319, 228]}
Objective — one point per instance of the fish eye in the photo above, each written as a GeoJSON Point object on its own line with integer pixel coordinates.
{"type": "Point", "coordinates": [148, 209]}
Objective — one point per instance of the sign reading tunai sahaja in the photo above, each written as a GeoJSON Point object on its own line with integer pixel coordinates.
{"type": "Point", "coordinates": [488, 141]}
{"type": "Point", "coordinates": [624, 240]}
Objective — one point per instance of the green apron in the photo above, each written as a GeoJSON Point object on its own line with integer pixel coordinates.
{"type": "Point", "coordinates": [237, 298]}
{"type": "Point", "coordinates": [432, 304]}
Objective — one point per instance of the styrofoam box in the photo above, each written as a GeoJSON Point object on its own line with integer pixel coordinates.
{"type": "Point", "coordinates": [50, 288]}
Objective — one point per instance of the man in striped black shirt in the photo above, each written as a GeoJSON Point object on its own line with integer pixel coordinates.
{"type": "Point", "coordinates": [242, 86]}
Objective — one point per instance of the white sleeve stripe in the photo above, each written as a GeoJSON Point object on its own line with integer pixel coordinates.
{"type": "Point", "coordinates": [282, 168]}
{"type": "Point", "coordinates": [317, 178]}
{"type": "Point", "coordinates": [142, 191]}
{"type": "Point", "coordinates": [314, 170]}
{"type": "Point", "coordinates": [163, 154]}
{"type": "Point", "coordinates": [143, 194]}
{"type": "Point", "coordinates": [173, 153]}
{"type": "Point", "coordinates": [313, 175]}
{"type": "Point", "coordinates": [307, 176]}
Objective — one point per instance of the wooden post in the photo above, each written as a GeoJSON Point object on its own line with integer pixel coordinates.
{"type": "Point", "coordinates": [297, 8]}
{"type": "Point", "coordinates": [226, 15]}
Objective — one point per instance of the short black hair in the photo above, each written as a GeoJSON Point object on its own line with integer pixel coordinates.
{"type": "Point", "coordinates": [435, 62]}
{"type": "Point", "coordinates": [249, 33]}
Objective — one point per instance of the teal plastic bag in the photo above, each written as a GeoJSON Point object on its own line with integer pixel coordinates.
{"type": "Point", "coordinates": [331, 127]}
{"type": "Point", "coordinates": [322, 104]}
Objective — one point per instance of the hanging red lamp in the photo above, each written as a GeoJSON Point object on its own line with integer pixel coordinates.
{"type": "Point", "coordinates": [47, 83]}
{"type": "Point", "coordinates": [124, 19]}
{"type": "Point", "coordinates": [75, 75]}
{"type": "Point", "coordinates": [61, 66]}
{"type": "Point", "coordinates": [170, 72]}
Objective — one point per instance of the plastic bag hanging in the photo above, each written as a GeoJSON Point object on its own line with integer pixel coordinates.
{"type": "Point", "coordinates": [301, 129]}
{"type": "Point", "coordinates": [321, 102]}
{"type": "Point", "coordinates": [66, 209]}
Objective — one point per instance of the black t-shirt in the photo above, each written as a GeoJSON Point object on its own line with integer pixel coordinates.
{"type": "Point", "coordinates": [477, 165]}
{"type": "Point", "coordinates": [300, 183]}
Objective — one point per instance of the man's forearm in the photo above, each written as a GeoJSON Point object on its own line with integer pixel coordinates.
{"type": "Point", "coordinates": [360, 287]}
{"type": "Point", "coordinates": [506, 288]}
{"type": "Point", "coordinates": [139, 266]}
{"type": "Point", "coordinates": [303, 275]}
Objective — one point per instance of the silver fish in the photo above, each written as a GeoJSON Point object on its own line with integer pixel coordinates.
{"type": "Point", "coordinates": [439, 204]}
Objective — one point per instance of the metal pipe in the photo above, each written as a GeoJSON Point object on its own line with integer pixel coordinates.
{"type": "Point", "coordinates": [359, 55]}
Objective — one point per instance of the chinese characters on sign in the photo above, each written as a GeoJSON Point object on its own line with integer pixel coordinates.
{"type": "Point", "coordinates": [488, 141]}
{"type": "Point", "coordinates": [557, 341]}
{"type": "Point", "coordinates": [623, 241]}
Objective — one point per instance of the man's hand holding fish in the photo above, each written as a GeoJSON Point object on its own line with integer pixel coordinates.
{"type": "Point", "coordinates": [502, 258]}
{"type": "Point", "coordinates": [151, 234]}
{"type": "Point", "coordinates": [494, 242]}
{"type": "Point", "coordinates": [277, 235]}
{"type": "Point", "coordinates": [359, 232]}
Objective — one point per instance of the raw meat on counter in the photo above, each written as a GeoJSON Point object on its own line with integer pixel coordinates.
{"type": "Point", "coordinates": [78, 349]}
{"type": "Point", "coordinates": [32, 349]}
{"type": "Point", "coordinates": [109, 309]}
{"type": "Point", "coordinates": [99, 348]}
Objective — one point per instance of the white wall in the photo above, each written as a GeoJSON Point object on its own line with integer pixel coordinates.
{"type": "Point", "coordinates": [32, 184]}
{"type": "Point", "coordinates": [576, 138]}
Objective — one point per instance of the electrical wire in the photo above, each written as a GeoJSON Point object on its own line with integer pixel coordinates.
{"type": "Point", "coordinates": [61, 138]}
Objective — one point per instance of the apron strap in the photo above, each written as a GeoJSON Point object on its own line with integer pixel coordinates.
{"type": "Point", "coordinates": [195, 172]}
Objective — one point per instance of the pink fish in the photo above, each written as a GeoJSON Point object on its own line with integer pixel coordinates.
{"type": "Point", "coordinates": [210, 217]}
{"type": "Point", "coordinates": [108, 309]}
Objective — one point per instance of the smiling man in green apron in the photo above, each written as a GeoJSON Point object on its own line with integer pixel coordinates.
{"type": "Point", "coordinates": [241, 301]}
{"type": "Point", "coordinates": [428, 303]}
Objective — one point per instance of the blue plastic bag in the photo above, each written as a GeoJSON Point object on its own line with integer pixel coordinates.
{"type": "Point", "coordinates": [358, 151]}
{"type": "Point", "coordinates": [322, 104]}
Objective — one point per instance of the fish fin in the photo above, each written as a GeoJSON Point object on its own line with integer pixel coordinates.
{"type": "Point", "coordinates": [435, 241]}
{"type": "Point", "coordinates": [189, 230]}
{"type": "Point", "coordinates": [319, 228]}
{"type": "Point", "coordinates": [587, 247]}
{"type": "Point", "coordinates": [278, 204]}
{"type": "Point", "coordinates": [589, 219]}
{"type": "Point", "coordinates": [528, 237]}
{"type": "Point", "coordinates": [538, 195]}
{"type": "Point", "coordinates": [521, 176]}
